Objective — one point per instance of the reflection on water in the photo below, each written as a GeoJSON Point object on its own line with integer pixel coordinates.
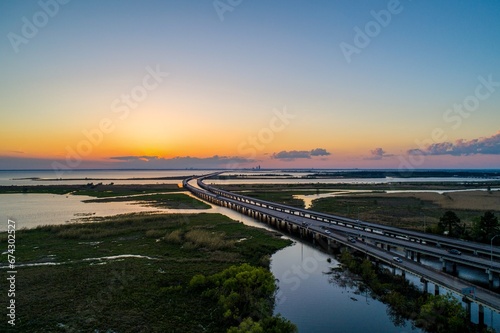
{"type": "Point", "coordinates": [317, 301]}
{"type": "Point", "coordinates": [50, 177]}
{"type": "Point", "coordinates": [33, 209]}
{"type": "Point", "coordinates": [81, 177]}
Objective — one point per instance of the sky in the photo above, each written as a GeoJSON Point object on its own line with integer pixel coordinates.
{"type": "Point", "coordinates": [239, 84]}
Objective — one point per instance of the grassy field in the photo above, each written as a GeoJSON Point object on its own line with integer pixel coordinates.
{"type": "Point", "coordinates": [128, 273]}
{"type": "Point", "coordinates": [283, 197]}
{"type": "Point", "coordinates": [168, 200]}
{"type": "Point", "coordinates": [407, 210]}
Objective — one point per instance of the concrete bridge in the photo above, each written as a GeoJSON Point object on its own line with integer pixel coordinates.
{"type": "Point", "coordinates": [374, 240]}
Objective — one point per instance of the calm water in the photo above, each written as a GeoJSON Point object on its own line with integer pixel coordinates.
{"type": "Point", "coordinates": [317, 303]}
{"type": "Point", "coordinates": [32, 209]}
{"type": "Point", "coordinates": [48, 177]}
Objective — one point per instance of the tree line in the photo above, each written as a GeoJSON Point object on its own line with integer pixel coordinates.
{"type": "Point", "coordinates": [483, 229]}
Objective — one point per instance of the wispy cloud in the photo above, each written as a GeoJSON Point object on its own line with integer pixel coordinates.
{"type": "Point", "coordinates": [134, 158]}
{"type": "Point", "coordinates": [298, 154]}
{"type": "Point", "coordinates": [215, 161]}
{"type": "Point", "coordinates": [484, 146]}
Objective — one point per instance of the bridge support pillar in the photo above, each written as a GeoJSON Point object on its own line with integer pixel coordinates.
{"type": "Point", "coordinates": [481, 315]}
{"type": "Point", "coordinates": [403, 274]}
{"type": "Point", "coordinates": [490, 278]}
{"type": "Point", "coordinates": [418, 256]}
{"type": "Point", "coordinates": [412, 255]}
{"type": "Point", "coordinates": [454, 270]}
{"type": "Point", "coordinates": [467, 303]}
{"type": "Point", "coordinates": [443, 267]}
{"type": "Point", "coordinates": [436, 290]}
{"type": "Point", "coordinates": [425, 285]}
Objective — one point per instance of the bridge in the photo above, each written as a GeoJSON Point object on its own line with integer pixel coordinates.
{"type": "Point", "coordinates": [374, 240]}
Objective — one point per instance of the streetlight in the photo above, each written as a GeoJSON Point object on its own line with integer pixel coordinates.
{"type": "Point", "coordinates": [491, 265]}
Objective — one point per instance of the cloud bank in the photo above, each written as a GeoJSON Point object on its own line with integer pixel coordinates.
{"type": "Point", "coordinates": [484, 146]}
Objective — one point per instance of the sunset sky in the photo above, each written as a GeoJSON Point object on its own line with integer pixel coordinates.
{"type": "Point", "coordinates": [240, 83]}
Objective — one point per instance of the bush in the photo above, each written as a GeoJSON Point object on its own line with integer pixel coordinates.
{"type": "Point", "coordinates": [245, 295]}
{"type": "Point", "coordinates": [174, 237]}
{"type": "Point", "coordinates": [442, 314]}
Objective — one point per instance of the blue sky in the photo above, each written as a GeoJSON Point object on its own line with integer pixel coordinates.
{"type": "Point", "coordinates": [231, 67]}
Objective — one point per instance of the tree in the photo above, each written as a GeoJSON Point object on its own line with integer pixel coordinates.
{"type": "Point", "coordinates": [450, 222]}
{"type": "Point", "coordinates": [247, 326]}
{"type": "Point", "coordinates": [245, 296]}
{"type": "Point", "coordinates": [486, 227]}
{"type": "Point", "coordinates": [278, 324]}
{"type": "Point", "coordinates": [443, 314]}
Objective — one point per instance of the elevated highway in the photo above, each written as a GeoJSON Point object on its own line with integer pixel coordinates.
{"type": "Point", "coordinates": [478, 249]}
{"type": "Point", "coordinates": [372, 239]}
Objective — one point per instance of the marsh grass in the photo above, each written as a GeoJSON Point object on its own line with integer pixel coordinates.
{"type": "Point", "coordinates": [99, 191]}
{"type": "Point", "coordinates": [130, 294]}
{"type": "Point", "coordinates": [407, 210]}
{"type": "Point", "coordinates": [209, 239]}
{"type": "Point", "coordinates": [174, 237]}
{"type": "Point", "coordinates": [161, 200]}
{"type": "Point", "coordinates": [86, 233]}
{"type": "Point", "coordinates": [281, 196]}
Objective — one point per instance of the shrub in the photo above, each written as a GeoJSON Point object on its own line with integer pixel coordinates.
{"type": "Point", "coordinates": [210, 240]}
{"type": "Point", "coordinates": [174, 237]}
